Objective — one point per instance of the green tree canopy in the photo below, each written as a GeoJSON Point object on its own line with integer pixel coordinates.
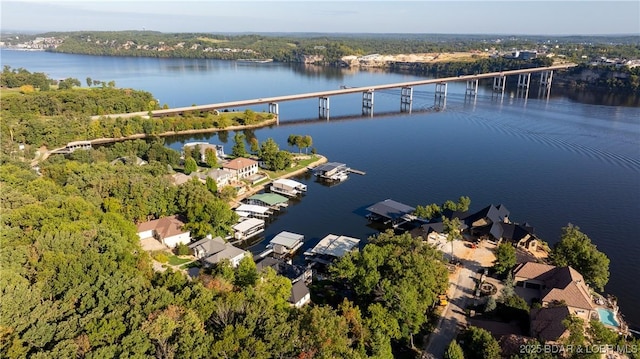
{"type": "Point", "coordinates": [190, 165]}
{"type": "Point", "coordinates": [480, 344]}
{"type": "Point", "coordinates": [211, 158]}
{"type": "Point", "coordinates": [576, 250]}
{"type": "Point", "coordinates": [505, 257]}
{"type": "Point", "coordinates": [399, 272]}
{"type": "Point", "coordinates": [454, 351]}
{"type": "Point", "coordinates": [238, 149]}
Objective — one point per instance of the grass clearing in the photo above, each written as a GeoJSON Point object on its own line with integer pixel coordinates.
{"type": "Point", "coordinates": [176, 261]}
{"type": "Point", "coordinates": [299, 165]}
{"type": "Point", "coordinates": [213, 41]}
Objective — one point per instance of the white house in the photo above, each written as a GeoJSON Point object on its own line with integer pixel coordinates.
{"type": "Point", "coordinates": [167, 230]}
{"type": "Point", "coordinates": [221, 176]}
{"type": "Point", "coordinates": [241, 167]}
{"type": "Point", "coordinates": [218, 149]}
{"type": "Point", "coordinates": [300, 294]}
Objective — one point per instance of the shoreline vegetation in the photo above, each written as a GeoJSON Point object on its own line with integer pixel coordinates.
{"type": "Point", "coordinates": [139, 136]}
{"type": "Point", "coordinates": [295, 171]}
{"type": "Point", "coordinates": [75, 277]}
{"type": "Point", "coordinates": [438, 55]}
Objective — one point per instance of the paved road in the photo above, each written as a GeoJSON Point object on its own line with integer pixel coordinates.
{"type": "Point", "coordinates": [461, 290]}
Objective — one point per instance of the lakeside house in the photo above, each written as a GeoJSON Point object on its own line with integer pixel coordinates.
{"type": "Point", "coordinates": [331, 247]}
{"type": "Point", "coordinates": [210, 251]}
{"type": "Point", "coordinates": [285, 268]}
{"type": "Point", "coordinates": [552, 286]}
{"type": "Point", "coordinates": [167, 230]}
{"type": "Point", "coordinates": [241, 167]}
{"type": "Point", "coordinates": [490, 223]}
{"type": "Point", "coordinates": [298, 275]}
{"type": "Point", "coordinates": [546, 323]}
{"type": "Point", "coordinates": [300, 294]}
{"type": "Point", "coordinates": [204, 146]}
{"type": "Point", "coordinates": [221, 176]}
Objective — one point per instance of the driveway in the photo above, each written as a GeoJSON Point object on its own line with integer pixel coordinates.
{"type": "Point", "coordinates": [461, 293]}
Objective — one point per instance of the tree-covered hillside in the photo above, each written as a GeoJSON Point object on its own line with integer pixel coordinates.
{"type": "Point", "coordinates": [292, 47]}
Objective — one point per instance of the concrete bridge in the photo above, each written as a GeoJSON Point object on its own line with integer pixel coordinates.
{"type": "Point", "coordinates": [406, 95]}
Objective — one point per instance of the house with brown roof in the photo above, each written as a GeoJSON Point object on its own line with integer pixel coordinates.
{"type": "Point", "coordinates": [241, 167]}
{"type": "Point", "coordinates": [168, 230]}
{"type": "Point", "coordinates": [546, 323]}
{"type": "Point", "coordinates": [555, 286]}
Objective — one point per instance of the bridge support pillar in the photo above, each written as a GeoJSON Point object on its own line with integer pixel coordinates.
{"type": "Point", "coordinates": [545, 83]}
{"type": "Point", "coordinates": [273, 108]}
{"type": "Point", "coordinates": [323, 107]}
{"type": "Point", "coordinates": [523, 85]}
{"type": "Point", "coordinates": [545, 78]}
{"type": "Point", "coordinates": [406, 99]}
{"type": "Point", "coordinates": [499, 84]}
{"type": "Point", "coordinates": [367, 103]}
{"type": "Point", "coordinates": [441, 89]}
{"type": "Point", "coordinates": [472, 88]}
{"type": "Point", "coordinates": [440, 99]}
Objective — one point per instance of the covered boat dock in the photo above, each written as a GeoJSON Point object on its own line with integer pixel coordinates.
{"type": "Point", "coordinates": [391, 212]}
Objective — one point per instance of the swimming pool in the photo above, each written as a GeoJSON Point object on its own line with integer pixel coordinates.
{"type": "Point", "coordinates": [607, 317]}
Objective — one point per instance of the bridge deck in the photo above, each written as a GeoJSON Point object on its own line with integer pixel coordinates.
{"type": "Point", "coordinates": [342, 91]}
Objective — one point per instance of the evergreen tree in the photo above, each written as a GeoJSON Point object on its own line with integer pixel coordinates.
{"type": "Point", "coordinates": [238, 149]}
{"type": "Point", "coordinates": [190, 165]}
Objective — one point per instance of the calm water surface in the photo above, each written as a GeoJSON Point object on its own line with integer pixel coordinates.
{"type": "Point", "coordinates": [551, 162]}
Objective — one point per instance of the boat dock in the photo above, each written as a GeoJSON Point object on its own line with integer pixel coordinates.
{"type": "Point", "coordinates": [358, 172]}
{"type": "Point", "coordinates": [334, 171]}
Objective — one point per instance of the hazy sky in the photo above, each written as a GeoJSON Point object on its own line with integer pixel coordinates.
{"type": "Point", "coordinates": [451, 17]}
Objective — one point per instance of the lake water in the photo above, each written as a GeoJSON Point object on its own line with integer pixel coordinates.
{"type": "Point", "coordinates": [570, 159]}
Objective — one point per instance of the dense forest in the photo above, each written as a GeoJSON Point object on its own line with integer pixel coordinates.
{"type": "Point", "coordinates": [75, 283]}
{"type": "Point", "coordinates": [37, 114]}
{"type": "Point", "coordinates": [328, 49]}
{"type": "Point", "coordinates": [290, 47]}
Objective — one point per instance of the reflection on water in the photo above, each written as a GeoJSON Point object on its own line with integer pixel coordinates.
{"type": "Point", "coordinates": [573, 158]}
